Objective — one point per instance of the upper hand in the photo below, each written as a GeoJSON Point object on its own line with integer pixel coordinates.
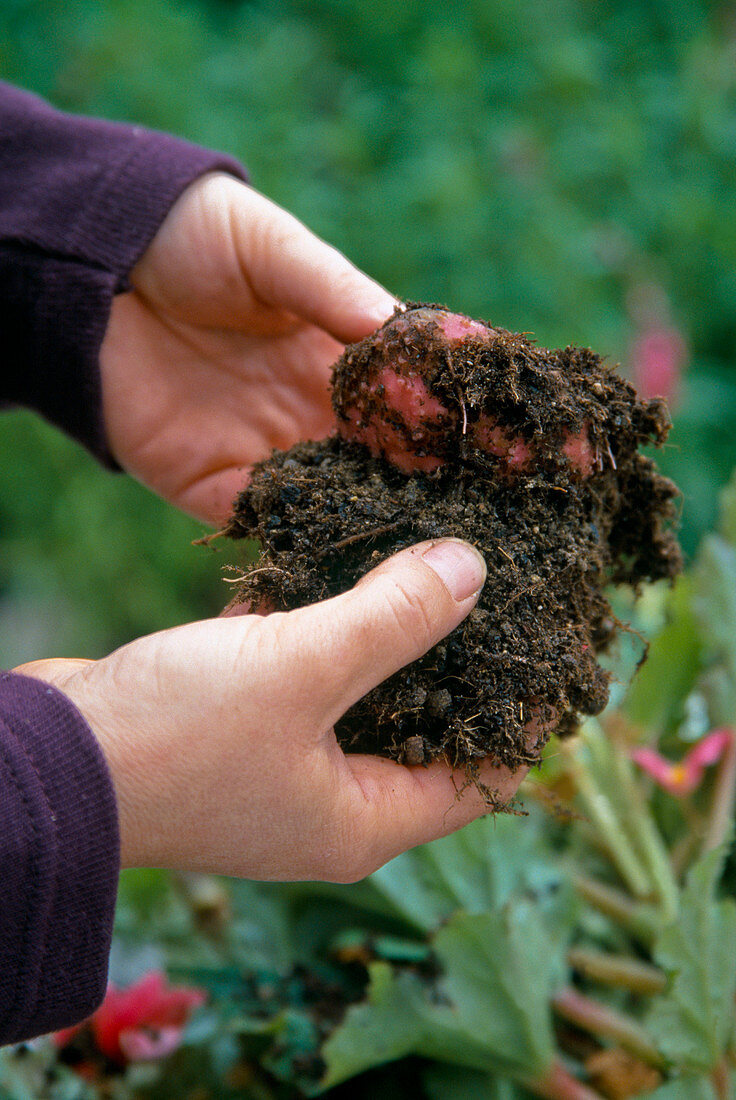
{"type": "Point", "coordinates": [222, 349]}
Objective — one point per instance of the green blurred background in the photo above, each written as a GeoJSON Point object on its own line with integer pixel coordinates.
{"type": "Point", "coordinates": [566, 169]}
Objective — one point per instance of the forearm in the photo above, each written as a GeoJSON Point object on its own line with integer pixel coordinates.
{"type": "Point", "coordinates": [80, 200]}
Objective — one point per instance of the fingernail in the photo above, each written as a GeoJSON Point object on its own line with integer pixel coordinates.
{"type": "Point", "coordinates": [458, 565]}
{"type": "Point", "coordinates": [382, 310]}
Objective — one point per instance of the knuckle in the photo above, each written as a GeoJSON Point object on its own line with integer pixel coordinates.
{"type": "Point", "coordinates": [352, 856]}
{"type": "Point", "coordinates": [273, 635]}
{"type": "Point", "coordinates": [412, 615]}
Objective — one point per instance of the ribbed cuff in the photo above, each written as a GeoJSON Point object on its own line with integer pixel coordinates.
{"type": "Point", "coordinates": [53, 315]}
{"type": "Point", "coordinates": [59, 861]}
{"type": "Point", "coordinates": [145, 177]}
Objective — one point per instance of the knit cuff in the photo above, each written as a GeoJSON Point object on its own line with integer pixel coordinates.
{"type": "Point", "coordinates": [59, 861]}
{"type": "Point", "coordinates": [145, 176]}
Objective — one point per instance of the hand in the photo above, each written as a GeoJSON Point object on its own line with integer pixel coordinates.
{"type": "Point", "coordinates": [219, 735]}
{"type": "Point", "coordinates": [222, 350]}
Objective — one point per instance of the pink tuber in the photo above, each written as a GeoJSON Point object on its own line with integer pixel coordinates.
{"type": "Point", "coordinates": [396, 414]}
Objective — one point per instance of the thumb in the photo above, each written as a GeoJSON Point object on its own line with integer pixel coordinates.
{"type": "Point", "coordinates": [347, 645]}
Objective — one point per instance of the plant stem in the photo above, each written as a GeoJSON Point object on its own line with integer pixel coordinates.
{"type": "Point", "coordinates": [642, 921]}
{"type": "Point", "coordinates": [604, 818]}
{"type": "Point", "coordinates": [558, 1084]}
{"type": "Point", "coordinates": [624, 818]}
{"type": "Point", "coordinates": [720, 1078]}
{"type": "Point", "coordinates": [621, 971]}
{"type": "Point", "coordinates": [650, 841]}
{"type": "Point", "coordinates": [684, 851]}
{"type": "Point", "coordinates": [720, 818]}
{"type": "Point", "coordinates": [598, 1019]}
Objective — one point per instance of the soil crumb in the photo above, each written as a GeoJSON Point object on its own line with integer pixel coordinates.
{"type": "Point", "coordinates": [449, 426]}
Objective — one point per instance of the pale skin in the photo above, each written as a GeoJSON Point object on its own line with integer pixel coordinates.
{"type": "Point", "coordinates": [219, 734]}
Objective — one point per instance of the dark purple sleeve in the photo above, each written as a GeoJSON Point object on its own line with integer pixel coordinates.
{"type": "Point", "coordinates": [80, 199]}
{"type": "Point", "coordinates": [59, 861]}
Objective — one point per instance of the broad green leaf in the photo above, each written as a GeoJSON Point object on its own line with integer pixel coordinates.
{"type": "Point", "coordinates": [388, 1025]}
{"type": "Point", "coordinates": [715, 602]}
{"type": "Point", "coordinates": [715, 597]}
{"type": "Point", "coordinates": [727, 510]}
{"type": "Point", "coordinates": [27, 1073]}
{"type": "Point", "coordinates": [660, 687]}
{"type": "Point", "coordinates": [145, 890]}
{"type": "Point", "coordinates": [499, 971]}
{"type": "Point", "coordinates": [475, 869]}
{"type": "Point", "coordinates": [684, 1088]}
{"type": "Point", "coordinates": [489, 1010]}
{"type": "Point", "coordinates": [692, 1021]}
{"type": "Point", "coordinates": [452, 1083]}
{"type": "Point", "coordinates": [148, 899]}
{"type": "Point", "coordinates": [260, 935]}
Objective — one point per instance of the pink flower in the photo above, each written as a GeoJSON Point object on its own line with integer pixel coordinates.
{"type": "Point", "coordinates": [683, 778]}
{"type": "Point", "coordinates": [142, 1023]}
{"type": "Point", "coordinates": [658, 357]}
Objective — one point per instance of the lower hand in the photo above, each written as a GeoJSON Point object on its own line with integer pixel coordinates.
{"type": "Point", "coordinates": [219, 734]}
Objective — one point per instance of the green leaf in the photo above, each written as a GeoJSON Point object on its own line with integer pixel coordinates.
{"type": "Point", "coordinates": [475, 869]}
{"type": "Point", "coordinates": [684, 1088]}
{"type": "Point", "coordinates": [727, 508]}
{"type": "Point", "coordinates": [499, 972]}
{"type": "Point", "coordinates": [260, 934]}
{"type": "Point", "coordinates": [488, 1010]}
{"type": "Point", "coordinates": [388, 1025]}
{"type": "Point", "coordinates": [715, 604]}
{"type": "Point", "coordinates": [674, 660]}
{"type": "Point", "coordinates": [692, 1022]}
{"type": "Point", "coordinates": [716, 597]}
{"type": "Point", "coordinates": [452, 1083]}
{"type": "Point", "coordinates": [27, 1073]}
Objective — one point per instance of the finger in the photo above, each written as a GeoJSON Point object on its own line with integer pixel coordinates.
{"type": "Point", "coordinates": [290, 268]}
{"type": "Point", "coordinates": [347, 645]}
{"type": "Point", "coordinates": [394, 808]}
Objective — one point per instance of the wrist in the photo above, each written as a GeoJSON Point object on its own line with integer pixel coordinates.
{"type": "Point", "coordinates": [54, 670]}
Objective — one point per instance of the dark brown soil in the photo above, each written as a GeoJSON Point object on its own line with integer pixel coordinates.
{"type": "Point", "coordinates": [553, 538]}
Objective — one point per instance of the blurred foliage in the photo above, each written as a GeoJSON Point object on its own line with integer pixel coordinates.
{"type": "Point", "coordinates": [89, 559]}
{"type": "Point", "coordinates": [568, 172]}
{"type": "Point", "coordinates": [688, 682]}
{"type": "Point", "coordinates": [564, 170]}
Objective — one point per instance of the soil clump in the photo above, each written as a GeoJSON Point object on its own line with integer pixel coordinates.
{"type": "Point", "coordinates": [448, 426]}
